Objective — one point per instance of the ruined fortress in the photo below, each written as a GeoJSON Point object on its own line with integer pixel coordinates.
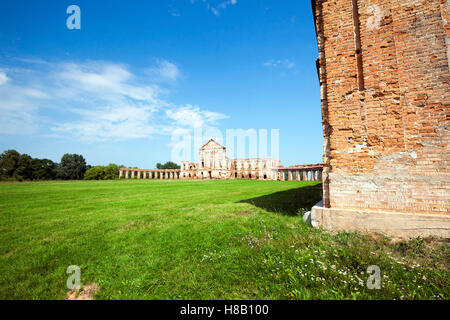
{"type": "Point", "coordinates": [385, 89]}
{"type": "Point", "coordinates": [215, 165]}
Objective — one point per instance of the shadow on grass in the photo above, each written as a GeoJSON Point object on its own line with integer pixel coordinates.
{"type": "Point", "coordinates": [289, 202]}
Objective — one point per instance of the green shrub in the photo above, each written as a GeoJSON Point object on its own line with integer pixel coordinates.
{"type": "Point", "coordinates": [110, 172]}
{"type": "Point", "coordinates": [72, 167]}
{"type": "Point", "coordinates": [95, 173]}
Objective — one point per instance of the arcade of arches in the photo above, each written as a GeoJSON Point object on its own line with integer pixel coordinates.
{"type": "Point", "coordinates": [215, 165]}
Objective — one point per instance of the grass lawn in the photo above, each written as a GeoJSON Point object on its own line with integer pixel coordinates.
{"type": "Point", "coordinates": [237, 239]}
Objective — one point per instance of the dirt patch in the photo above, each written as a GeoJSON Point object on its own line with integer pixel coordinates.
{"type": "Point", "coordinates": [133, 225]}
{"type": "Point", "coordinates": [241, 213]}
{"type": "Point", "coordinates": [430, 252]}
{"type": "Point", "coordinates": [377, 237]}
{"type": "Point", "coordinates": [87, 292]}
{"type": "Point", "coordinates": [8, 254]}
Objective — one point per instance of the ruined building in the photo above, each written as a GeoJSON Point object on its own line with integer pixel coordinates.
{"type": "Point", "coordinates": [385, 89]}
{"type": "Point", "coordinates": [214, 164]}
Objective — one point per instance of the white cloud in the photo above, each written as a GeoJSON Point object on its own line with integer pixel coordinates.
{"type": "Point", "coordinates": [3, 78]}
{"type": "Point", "coordinates": [217, 7]}
{"type": "Point", "coordinates": [225, 4]}
{"type": "Point", "coordinates": [193, 116]}
{"type": "Point", "coordinates": [286, 63]}
{"type": "Point", "coordinates": [222, 6]}
{"type": "Point", "coordinates": [192, 127]}
{"type": "Point", "coordinates": [108, 101]}
{"type": "Point", "coordinates": [93, 101]}
{"type": "Point", "coordinates": [107, 81]}
{"type": "Point", "coordinates": [111, 123]}
{"type": "Point", "coordinates": [215, 11]}
{"type": "Point", "coordinates": [166, 70]}
{"type": "Point", "coordinates": [19, 115]}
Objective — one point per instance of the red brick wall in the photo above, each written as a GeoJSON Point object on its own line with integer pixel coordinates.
{"type": "Point", "coordinates": [386, 119]}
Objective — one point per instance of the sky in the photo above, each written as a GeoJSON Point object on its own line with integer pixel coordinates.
{"type": "Point", "coordinates": [141, 79]}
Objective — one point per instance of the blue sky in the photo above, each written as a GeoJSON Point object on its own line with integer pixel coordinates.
{"type": "Point", "coordinates": [139, 75]}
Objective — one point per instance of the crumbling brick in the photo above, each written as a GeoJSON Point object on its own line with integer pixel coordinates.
{"type": "Point", "coordinates": [385, 88]}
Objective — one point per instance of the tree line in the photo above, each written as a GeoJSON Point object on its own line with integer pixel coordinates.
{"type": "Point", "coordinates": [167, 165]}
{"type": "Point", "coordinates": [19, 167]}
{"type": "Point", "coordinates": [16, 166]}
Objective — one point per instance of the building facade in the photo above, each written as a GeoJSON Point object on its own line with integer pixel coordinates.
{"type": "Point", "coordinates": [385, 89]}
{"type": "Point", "coordinates": [214, 164]}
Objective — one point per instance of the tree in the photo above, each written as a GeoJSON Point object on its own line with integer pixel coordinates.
{"type": "Point", "coordinates": [167, 165]}
{"type": "Point", "coordinates": [95, 173]}
{"type": "Point", "coordinates": [72, 167]}
{"type": "Point", "coordinates": [24, 168]}
{"type": "Point", "coordinates": [43, 169]}
{"type": "Point", "coordinates": [9, 161]}
{"type": "Point", "coordinates": [110, 172]}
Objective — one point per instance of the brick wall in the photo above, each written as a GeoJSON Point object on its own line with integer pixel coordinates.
{"type": "Point", "coordinates": [385, 81]}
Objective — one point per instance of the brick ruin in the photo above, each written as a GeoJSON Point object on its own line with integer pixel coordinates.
{"type": "Point", "coordinates": [310, 172]}
{"type": "Point", "coordinates": [385, 89]}
{"type": "Point", "coordinates": [162, 174]}
{"type": "Point", "coordinates": [215, 165]}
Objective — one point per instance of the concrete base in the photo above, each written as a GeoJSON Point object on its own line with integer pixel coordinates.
{"type": "Point", "coordinates": [307, 218]}
{"type": "Point", "coordinates": [393, 224]}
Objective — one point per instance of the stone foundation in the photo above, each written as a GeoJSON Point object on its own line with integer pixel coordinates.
{"type": "Point", "coordinates": [394, 224]}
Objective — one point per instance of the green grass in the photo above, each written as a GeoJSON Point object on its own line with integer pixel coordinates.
{"type": "Point", "coordinates": [198, 240]}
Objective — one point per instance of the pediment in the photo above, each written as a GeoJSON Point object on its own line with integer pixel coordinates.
{"type": "Point", "coordinates": [212, 144]}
